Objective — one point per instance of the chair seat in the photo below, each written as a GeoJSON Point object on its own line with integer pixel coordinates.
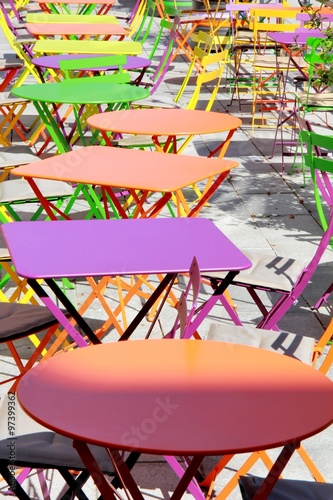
{"type": "Point", "coordinates": [290, 344]}
{"type": "Point", "coordinates": [20, 320]}
{"type": "Point", "coordinates": [6, 99]}
{"type": "Point", "coordinates": [287, 489]}
{"type": "Point", "coordinates": [244, 36]}
{"type": "Point", "coordinates": [10, 63]}
{"type": "Point", "coordinates": [19, 190]}
{"type": "Point", "coordinates": [157, 101]}
{"type": "Point", "coordinates": [25, 39]}
{"type": "Point", "coordinates": [136, 141]}
{"type": "Point", "coordinates": [4, 252]}
{"type": "Point", "coordinates": [275, 273]}
{"type": "Point", "coordinates": [323, 99]}
{"type": "Point", "coordinates": [273, 62]}
{"type": "Point", "coordinates": [34, 444]}
{"type": "Point", "coordinates": [13, 156]}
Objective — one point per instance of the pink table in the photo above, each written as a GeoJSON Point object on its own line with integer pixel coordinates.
{"type": "Point", "coordinates": [154, 396]}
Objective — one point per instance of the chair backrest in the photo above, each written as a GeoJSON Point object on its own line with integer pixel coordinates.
{"type": "Point", "coordinates": [317, 155]}
{"type": "Point", "coordinates": [321, 168]}
{"type": "Point", "coordinates": [8, 19]}
{"type": "Point", "coordinates": [213, 67]}
{"type": "Point", "coordinates": [185, 315]}
{"type": "Point", "coordinates": [136, 16]}
{"type": "Point", "coordinates": [69, 66]}
{"type": "Point", "coordinates": [146, 23]}
{"type": "Point", "coordinates": [320, 61]}
{"type": "Point", "coordinates": [171, 27]}
{"type": "Point", "coordinates": [20, 51]}
{"type": "Point", "coordinates": [202, 49]}
{"type": "Point", "coordinates": [271, 20]}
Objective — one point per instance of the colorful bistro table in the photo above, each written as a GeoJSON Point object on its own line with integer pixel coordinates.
{"type": "Point", "coordinates": [82, 7]}
{"type": "Point", "coordinates": [53, 62]}
{"type": "Point", "coordinates": [152, 396]}
{"type": "Point", "coordinates": [77, 31]}
{"type": "Point", "coordinates": [76, 92]}
{"type": "Point", "coordinates": [128, 178]}
{"type": "Point", "coordinates": [167, 122]}
{"type": "Point", "coordinates": [32, 17]}
{"type": "Point", "coordinates": [102, 249]}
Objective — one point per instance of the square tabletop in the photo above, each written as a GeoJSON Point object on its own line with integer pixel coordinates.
{"type": "Point", "coordinates": [57, 249]}
{"type": "Point", "coordinates": [126, 168]}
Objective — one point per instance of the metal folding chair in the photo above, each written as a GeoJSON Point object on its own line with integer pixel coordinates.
{"type": "Point", "coordinates": [283, 276]}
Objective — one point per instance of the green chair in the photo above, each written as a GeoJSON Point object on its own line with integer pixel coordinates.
{"type": "Point", "coordinates": [317, 153]}
{"type": "Point", "coordinates": [316, 98]}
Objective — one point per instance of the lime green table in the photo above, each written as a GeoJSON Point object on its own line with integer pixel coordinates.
{"type": "Point", "coordinates": [79, 92]}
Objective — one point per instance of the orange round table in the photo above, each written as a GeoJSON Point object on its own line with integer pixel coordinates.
{"type": "Point", "coordinates": [178, 397]}
{"type": "Point", "coordinates": [167, 122]}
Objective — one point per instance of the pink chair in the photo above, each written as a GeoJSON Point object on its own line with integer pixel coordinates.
{"type": "Point", "coordinates": [283, 276]}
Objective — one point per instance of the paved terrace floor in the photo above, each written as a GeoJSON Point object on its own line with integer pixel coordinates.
{"type": "Point", "coordinates": [258, 208]}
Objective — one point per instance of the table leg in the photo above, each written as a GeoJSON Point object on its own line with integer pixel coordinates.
{"type": "Point", "coordinates": [204, 310]}
{"type": "Point", "coordinates": [207, 193]}
{"type": "Point", "coordinates": [148, 305]}
{"type": "Point", "coordinates": [95, 472]}
{"type": "Point", "coordinates": [84, 327]}
{"type": "Point", "coordinates": [76, 336]}
{"type": "Point", "coordinates": [55, 130]}
{"type": "Point", "coordinates": [268, 484]}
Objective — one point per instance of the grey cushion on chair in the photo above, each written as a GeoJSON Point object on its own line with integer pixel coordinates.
{"type": "Point", "coordinates": [10, 63]}
{"type": "Point", "coordinates": [20, 190]}
{"type": "Point", "coordinates": [278, 273]}
{"type": "Point", "coordinates": [267, 61]}
{"type": "Point", "coordinates": [137, 141]}
{"type": "Point", "coordinates": [157, 100]}
{"type": "Point", "coordinates": [319, 99]}
{"type": "Point", "coordinates": [38, 446]}
{"type": "Point", "coordinates": [12, 156]}
{"type": "Point", "coordinates": [290, 344]}
{"type": "Point", "coordinates": [287, 489]}
{"type": "Point", "coordinates": [20, 320]}
{"type": "Point", "coordinates": [6, 98]}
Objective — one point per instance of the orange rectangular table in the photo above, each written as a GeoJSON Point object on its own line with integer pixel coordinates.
{"type": "Point", "coordinates": [141, 173]}
{"type": "Point", "coordinates": [74, 30]}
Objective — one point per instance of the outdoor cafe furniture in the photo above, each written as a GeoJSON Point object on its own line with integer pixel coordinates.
{"type": "Point", "coordinates": [174, 123]}
{"type": "Point", "coordinates": [73, 31]}
{"type": "Point", "coordinates": [138, 173]}
{"type": "Point", "coordinates": [111, 248]}
{"type": "Point", "coordinates": [83, 7]}
{"type": "Point", "coordinates": [97, 90]}
{"type": "Point", "coordinates": [68, 18]}
{"type": "Point", "coordinates": [53, 62]}
{"type": "Point", "coordinates": [152, 396]}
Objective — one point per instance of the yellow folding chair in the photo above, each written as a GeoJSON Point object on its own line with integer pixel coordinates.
{"type": "Point", "coordinates": [268, 67]}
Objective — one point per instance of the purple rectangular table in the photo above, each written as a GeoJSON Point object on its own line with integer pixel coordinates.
{"type": "Point", "coordinates": [103, 248]}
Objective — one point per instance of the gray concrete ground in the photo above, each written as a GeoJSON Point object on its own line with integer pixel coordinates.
{"type": "Point", "coordinates": [259, 207]}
